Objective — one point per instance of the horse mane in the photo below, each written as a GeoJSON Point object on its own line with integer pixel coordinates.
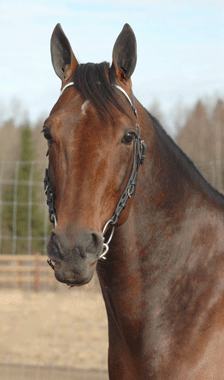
{"type": "Point", "coordinates": [185, 162]}
{"type": "Point", "coordinates": [95, 82]}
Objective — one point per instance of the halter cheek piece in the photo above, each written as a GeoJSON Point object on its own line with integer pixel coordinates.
{"type": "Point", "coordinates": [138, 159]}
{"type": "Point", "coordinates": [129, 191]}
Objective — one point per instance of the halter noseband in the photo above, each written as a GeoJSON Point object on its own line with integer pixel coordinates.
{"type": "Point", "coordinates": [129, 191]}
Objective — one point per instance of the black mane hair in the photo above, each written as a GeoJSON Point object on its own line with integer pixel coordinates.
{"type": "Point", "coordinates": [96, 82]}
{"type": "Point", "coordinates": [185, 162]}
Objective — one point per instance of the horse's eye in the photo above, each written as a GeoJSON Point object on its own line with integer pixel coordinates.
{"type": "Point", "coordinates": [47, 134]}
{"type": "Point", "coordinates": [128, 137]}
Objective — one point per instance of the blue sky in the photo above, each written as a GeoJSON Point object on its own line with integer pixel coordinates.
{"type": "Point", "coordinates": [180, 47]}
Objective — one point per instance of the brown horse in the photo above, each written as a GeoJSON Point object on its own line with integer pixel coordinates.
{"type": "Point", "coordinates": [163, 277]}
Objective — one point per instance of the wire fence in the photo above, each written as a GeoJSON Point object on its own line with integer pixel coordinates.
{"type": "Point", "coordinates": [22, 205]}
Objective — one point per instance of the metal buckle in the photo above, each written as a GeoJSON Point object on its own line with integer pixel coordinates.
{"type": "Point", "coordinates": [106, 245]}
{"type": "Point", "coordinates": [53, 219]}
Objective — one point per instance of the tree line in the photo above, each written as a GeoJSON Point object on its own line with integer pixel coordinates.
{"type": "Point", "coordinates": [202, 138]}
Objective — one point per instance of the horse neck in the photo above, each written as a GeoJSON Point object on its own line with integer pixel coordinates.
{"type": "Point", "coordinates": [149, 251]}
{"type": "Point", "coordinates": [145, 249]}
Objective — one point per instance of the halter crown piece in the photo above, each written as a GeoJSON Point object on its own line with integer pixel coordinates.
{"type": "Point", "coordinates": [138, 159]}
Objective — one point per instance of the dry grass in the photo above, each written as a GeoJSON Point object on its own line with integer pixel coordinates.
{"type": "Point", "coordinates": [66, 328]}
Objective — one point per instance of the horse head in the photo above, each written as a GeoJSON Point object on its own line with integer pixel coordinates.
{"type": "Point", "coordinates": [94, 149]}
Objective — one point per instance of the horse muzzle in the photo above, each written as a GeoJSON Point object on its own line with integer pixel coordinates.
{"type": "Point", "coordinates": [74, 257]}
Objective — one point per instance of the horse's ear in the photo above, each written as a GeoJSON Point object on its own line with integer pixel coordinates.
{"type": "Point", "coordinates": [125, 53]}
{"type": "Point", "coordinates": [62, 56]}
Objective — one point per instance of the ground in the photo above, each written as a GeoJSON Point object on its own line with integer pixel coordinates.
{"type": "Point", "coordinates": [14, 372]}
{"type": "Point", "coordinates": [65, 329]}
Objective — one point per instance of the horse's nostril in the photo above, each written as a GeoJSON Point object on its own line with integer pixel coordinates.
{"type": "Point", "coordinates": [95, 244]}
{"type": "Point", "coordinates": [53, 236]}
{"type": "Point", "coordinates": [53, 248]}
{"type": "Point", "coordinates": [95, 238]}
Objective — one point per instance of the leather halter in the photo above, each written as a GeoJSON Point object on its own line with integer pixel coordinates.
{"type": "Point", "coordinates": [129, 191]}
{"type": "Point", "coordinates": [48, 189]}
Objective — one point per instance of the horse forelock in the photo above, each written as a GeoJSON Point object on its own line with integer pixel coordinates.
{"type": "Point", "coordinates": [95, 83]}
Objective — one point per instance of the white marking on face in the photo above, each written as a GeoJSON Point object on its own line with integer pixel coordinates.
{"type": "Point", "coordinates": [84, 107]}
